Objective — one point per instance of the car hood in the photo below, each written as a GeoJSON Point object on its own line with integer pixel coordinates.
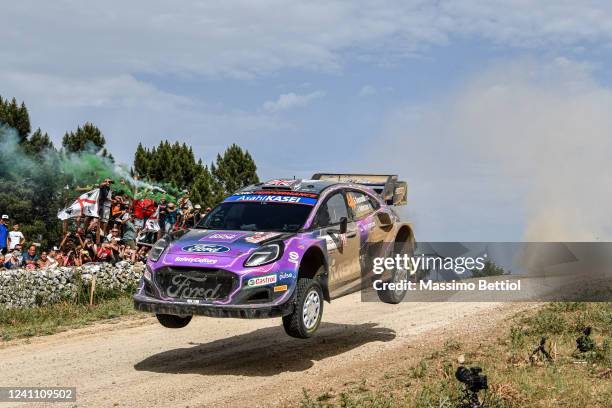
{"type": "Point", "coordinates": [221, 243]}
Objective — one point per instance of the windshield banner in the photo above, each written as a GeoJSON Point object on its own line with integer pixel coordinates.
{"type": "Point", "coordinates": [271, 198]}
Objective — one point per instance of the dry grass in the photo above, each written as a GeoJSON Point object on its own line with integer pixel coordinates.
{"type": "Point", "coordinates": [516, 378]}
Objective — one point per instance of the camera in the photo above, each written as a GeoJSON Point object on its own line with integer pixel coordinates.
{"type": "Point", "coordinates": [472, 377]}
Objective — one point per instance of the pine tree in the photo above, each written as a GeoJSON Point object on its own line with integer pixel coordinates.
{"type": "Point", "coordinates": [15, 116]}
{"type": "Point", "coordinates": [205, 190]}
{"type": "Point", "coordinates": [86, 138]}
{"type": "Point", "coordinates": [235, 169]}
{"type": "Point", "coordinates": [141, 161]}
{"type": "Point", "coordinates": [38, 143]}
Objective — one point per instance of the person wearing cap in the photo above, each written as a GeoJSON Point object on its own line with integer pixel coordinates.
{"type": "Point", "coordinates": [4, 237]}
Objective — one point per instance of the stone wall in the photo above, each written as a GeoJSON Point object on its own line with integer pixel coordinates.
{"type": "Point", "coordinates": [22, 288]}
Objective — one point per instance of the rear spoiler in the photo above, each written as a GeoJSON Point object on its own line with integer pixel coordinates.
{"type": "Point", "coordinates": [392, 190]}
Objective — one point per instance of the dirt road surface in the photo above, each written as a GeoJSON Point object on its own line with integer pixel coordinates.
{"type": "Point", "coordinates": [228, 362]}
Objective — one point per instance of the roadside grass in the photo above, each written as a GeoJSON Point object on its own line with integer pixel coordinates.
{"type": "Point", "coordinates": [516, 378]}
{"type": "Point", "coordinates": [69, 314]}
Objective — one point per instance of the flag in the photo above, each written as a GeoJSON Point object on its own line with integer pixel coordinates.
{"type": "Point", "coordinates": [152, 223]}
{"type": "Point", "coordinates": [84, 206]}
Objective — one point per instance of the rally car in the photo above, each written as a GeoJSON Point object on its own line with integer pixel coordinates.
{"type": "Point", "coordinates": [279, 248]}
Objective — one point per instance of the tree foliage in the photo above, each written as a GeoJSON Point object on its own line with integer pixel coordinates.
{"type": "Point", "coordinates": [15, 116]}
{"type": "Point", "coordinates": [235, 169]}
{"type": "Point", "coordinates": [36, 179]}
{"type": "Point", "coordinates": [176, 164]}
{"type": "Point", "coordinates": [85, 138]}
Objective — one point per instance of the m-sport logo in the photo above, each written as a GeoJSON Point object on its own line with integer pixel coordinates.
{"type": "Point", "coordinates": [206, 248]}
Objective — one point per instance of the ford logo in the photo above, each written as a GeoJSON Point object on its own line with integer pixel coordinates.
{"type": "Point", "coordinates": [206, 248]}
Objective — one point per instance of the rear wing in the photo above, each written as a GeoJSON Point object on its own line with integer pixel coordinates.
{"type": "Point", "coordinates": [392, 190]}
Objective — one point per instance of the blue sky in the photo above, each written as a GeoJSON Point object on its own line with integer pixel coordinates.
{"type": "Point", "coordinates": [450, 95]}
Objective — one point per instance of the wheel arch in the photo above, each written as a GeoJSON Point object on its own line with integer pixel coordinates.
{"type": "Point", "coordinates": [405, 234]}
{"type": "Point", "coordinates": [311, 262]}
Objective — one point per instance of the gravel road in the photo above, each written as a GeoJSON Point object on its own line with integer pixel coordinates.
{"type": "Point", "coordinates": [227, 362]}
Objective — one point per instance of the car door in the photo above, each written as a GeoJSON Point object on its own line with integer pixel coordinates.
{"type": "Point", "coordinates": [342, 248]}
{"type": "Point", "coordinates": [362, 208]}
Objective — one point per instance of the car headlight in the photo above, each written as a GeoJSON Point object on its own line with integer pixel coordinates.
{"type": "Point", "coordinates": [147, 274]}
{"type": "Point", "coordinates": [158, 249]}
{"type": "Point", "coordinates": [265, 255]}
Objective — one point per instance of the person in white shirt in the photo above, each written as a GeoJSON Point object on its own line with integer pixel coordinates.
{"type": "Point", "coordinates": [15, 237]}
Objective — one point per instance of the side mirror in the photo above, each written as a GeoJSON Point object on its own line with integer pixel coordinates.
{"type": "Point", "coordinates": [384, 219]}
{"type": "Point", "coordinates": [343, 225]}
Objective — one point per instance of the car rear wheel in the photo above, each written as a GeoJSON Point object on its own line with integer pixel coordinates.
{"type": "Point", "coordinates": [173, 321]}
{"type": "Point", "coordinates": [398, 275]}
{"type": "Point", "coordinates": [308, 310]}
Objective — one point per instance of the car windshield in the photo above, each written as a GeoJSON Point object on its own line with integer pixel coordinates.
{"type": "Point", "coordinates": [257, 216]}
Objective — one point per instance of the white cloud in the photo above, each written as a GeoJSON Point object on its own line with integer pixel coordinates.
{"type": "Point", "coordinates": [524, 145]}
{"type": "Point", "coordinates": [122, 91]}
{"type": "Point", "coordinates": [247, 39]}
{"type": "Point", "coordinates": [291, 100]}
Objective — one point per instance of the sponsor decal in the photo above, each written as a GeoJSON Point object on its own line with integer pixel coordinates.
{"type": "Point", "coordinates": [261, 236]}
{"type": "Point", "coordinates": [181, 287]}
{"type": "Point", "coordinates": [271, 198]}
{"type": "Point", "coordinates": [280, 288]}
{"type": "Point", "coordinates": [193, 259]}
{"type": "Point", "coordinates": [262, 280]}
{"type": "Point", "coordinates": [294, 257]}
{"type": "Point", "coordinates": [206, 248]}
{"type": "Point", "coordinates": [223, 236]}
{"type": "Point", "coordinates": [350, 200]}
{"type": "Point", "coordinates": [286, 193]}
{"type": "Point", "coordinates": [285, 275]}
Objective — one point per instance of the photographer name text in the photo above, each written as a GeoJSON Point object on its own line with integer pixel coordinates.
{"type": "Point", "coordinates": [481, 285]}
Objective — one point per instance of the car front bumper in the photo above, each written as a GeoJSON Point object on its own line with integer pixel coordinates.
{"type": "Point", "coordinates": [149, 304]}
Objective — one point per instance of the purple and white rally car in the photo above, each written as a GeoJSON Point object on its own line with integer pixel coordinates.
{"type": "Point", "coordinates": [279, 249]}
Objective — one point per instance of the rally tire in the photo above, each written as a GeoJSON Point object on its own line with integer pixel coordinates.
{"type": "Point", "coordinates": [173, 321]}
{"type": "Point", "coordinates": [308, 310]}
{"type": "Point", "coordinates": [396, 296]}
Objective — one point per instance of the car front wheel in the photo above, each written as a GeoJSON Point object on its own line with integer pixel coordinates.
{"type": "Point", "coordinates": [173, 321]}
{"type": "Point", "coordinates": [308, 310]}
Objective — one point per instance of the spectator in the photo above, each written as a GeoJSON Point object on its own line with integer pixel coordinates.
{"type": "Point", "coordinates": [163, 212]}
{"type": "Point", "coordinates": [117, 209]}
{"type": "Point", "coordinates": [69, 258]}
{"type": "Point", "coordinates": [5, 263]}
{"type": "Point", "coordinates": [196, 217]}
{"type": "Point", "coordinates": [113, 235]}
{"type": "Point", "coordinates": [171, 217]}
{"type": "Point", "coordinates": [15, 237]}
{"type": "Point", "coordinates": [43, 261]}
{"type": "Point", "coordinates": [138, 215]}
{"type": "Point", "coordinates": [129, 233]}
{"type": "Point", "coordinates": [30, 258]}
{"type": "Point", "coordinates": [104, 203]}
{"type": "Point", "coordinates": [184, 202]}
{"type": "Point", "coordinates": [90, 247]}
{"type": "Point", "coordinates": [4, 234]}
{"type": "Point", "coordinates": [105, 253]}
{"type": "Point", "coordinates": [53, 257]}
{"type": "Point", "coordinates": [16, 255]}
